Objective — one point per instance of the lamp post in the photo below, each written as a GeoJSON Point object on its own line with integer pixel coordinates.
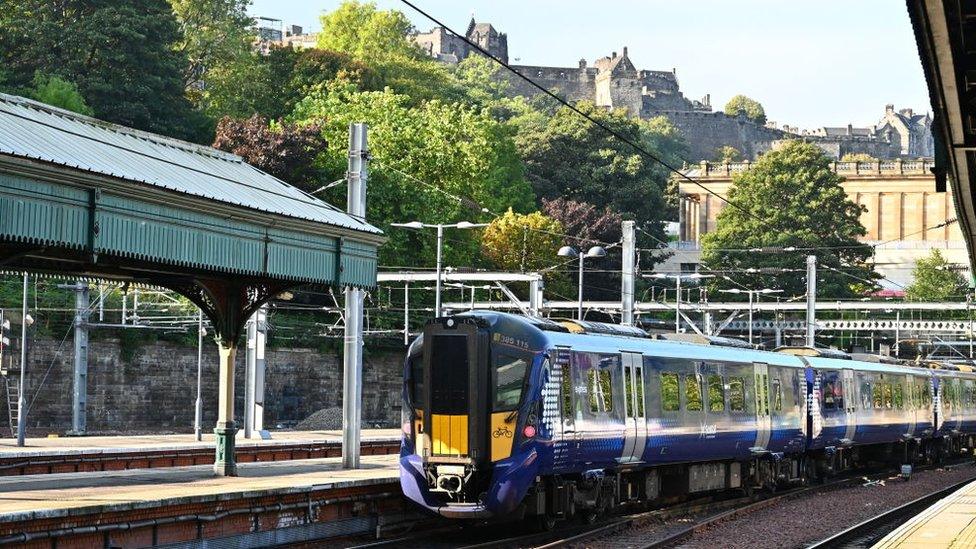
{"type": "Point", "coordinates": [569, 251]}
{"type": "Point", "coordinates": [417, 225]}
{"type": "Point", "coordinates": [764, 291]}
{"type": "Point", "coordinates": [677, 302]}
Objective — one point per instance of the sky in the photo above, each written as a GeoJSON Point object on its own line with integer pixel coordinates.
{"type": "Point", "coordinates": [811, 63]}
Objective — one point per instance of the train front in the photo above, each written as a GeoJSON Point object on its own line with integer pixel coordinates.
{"type": "Point", "coordinates": [471, 420]}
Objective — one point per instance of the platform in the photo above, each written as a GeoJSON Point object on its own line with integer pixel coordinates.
{"type": "Point", "coordinates": [949, 523]}
{"type": "Point", "coordinates": [109, 453]}
{"type": "Point", "coordinates": [157, 506]}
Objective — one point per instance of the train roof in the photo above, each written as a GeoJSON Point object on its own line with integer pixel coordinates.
{"type": "Point", "coordinates": [608, 338]}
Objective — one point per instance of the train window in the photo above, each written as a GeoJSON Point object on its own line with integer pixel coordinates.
{"type": "Point", "coordinates": [899, 396]}
{"type": "Point", "coordinates": [828, 396]}
{"type": "Point", "coordinates": [601, 390]}
{"type": "Point", "coordinates": [693, 393]}
{"type": "Point", "coordinates": [628, 392]}
{"type": "Point", "coordinates": [876, 395]}
{"type": "Point", "coordinates": [417, 381]}
{"type": "Point", "coordinates": [639, 383]}
{"type": "Point", "coordinates": [886, 394]}
{"type": "Point", "coordinates": [508, 376]}
{"type": "Point", "coordinates": [865, 395]}
{"type": "Point", "coordinates": [669, 392]}
{"type": "Point", "coordinates": [716, 394]}
{"type": "Point", "coordinates": [737, 396]}
{"type": "Point", "coordinates": [776, 391]}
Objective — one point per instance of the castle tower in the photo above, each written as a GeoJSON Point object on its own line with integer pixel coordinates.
{"type": "Point", "coordinates": [618, 84]}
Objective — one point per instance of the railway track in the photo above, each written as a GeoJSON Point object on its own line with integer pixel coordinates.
{"type": "Point", "coordinates": [663, 527]}
{"type": "Point", "coordinates": [869, 532]}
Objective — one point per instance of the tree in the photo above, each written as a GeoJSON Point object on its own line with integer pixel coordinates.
{"type": "Point", "coordinates": [592, 224]}
{"type": "Point", "coordinates": [286, 151]}
{"type": "Point", "coordinates": [119, 54]}
{"type": "Point", "coordinates": [382, 40]}
{"type": "Point", "coordinates": [425, 157]}
{"type": "Point", "coordinates": [522, 242]}
{"type": "Point", "coordinates": [751, 108]}
{"type": "Point", "coordinates": [858, 157]}
{"type": "Point", "coordinates": [271, 85]}
{"type": "Point", "coordinates": [934, 279]}
{"type": "Point", "coordinates": [567, 156]}
{"type": "Point", "coordinates": [214, 34]}
{"type": "Point", "coordinates": [727, 153]}
{"type": "Point", "coordinates": [790, 198]}
{"type": "Point", "coordinates": [59, 93]}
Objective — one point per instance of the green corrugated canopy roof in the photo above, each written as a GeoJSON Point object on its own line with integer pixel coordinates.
{"type": "Point", "coordinates": [117, 199]}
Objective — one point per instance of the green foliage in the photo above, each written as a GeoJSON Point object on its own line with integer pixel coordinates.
{"type": "Point", "coordinates": [750, 107]}
{"type": "Point", "coordinates": [382, 40]}
{"type": "Point", "coordinates": [567, 156]}
{"type": "Point", "coordinates": [59, 93]}
{"type": "Point", "coordinates": [119, 54]}
{"type": "Point", "coordinates": [214, 35]}
{"type": "Point", "coordinates": [727, 153]}
{"type": "Point", "coordinates": [522, 242]}
{"type": "Point", "coordinates": [934, 279]}
{"type": "Point", "coordinates": [790, 198]}
{"type": "Point", "coordinates": [452, 147]}
{"type": "Point", "coordinates": [858, 157]}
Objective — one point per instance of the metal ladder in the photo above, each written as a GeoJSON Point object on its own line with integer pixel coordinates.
{"type": "Point", "coordinates": [13, 396]}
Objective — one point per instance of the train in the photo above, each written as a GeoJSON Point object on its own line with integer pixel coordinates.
{"type": "Point", "coordinates": [510, 417]}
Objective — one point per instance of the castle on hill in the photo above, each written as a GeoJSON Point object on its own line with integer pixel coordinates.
{"type": "Point", "coordinates": [614, 82]}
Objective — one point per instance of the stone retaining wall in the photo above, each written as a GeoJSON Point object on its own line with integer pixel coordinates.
{"type": "Point", "coordinates": [156, 390]}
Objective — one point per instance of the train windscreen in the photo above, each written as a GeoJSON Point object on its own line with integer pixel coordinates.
{"type": "Point", "coordinates": [449, 374]}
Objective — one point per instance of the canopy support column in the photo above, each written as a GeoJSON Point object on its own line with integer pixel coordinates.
{"type": "Point", "coordinates": [225, 464]}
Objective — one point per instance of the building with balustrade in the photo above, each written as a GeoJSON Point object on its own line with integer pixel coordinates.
{"type": "Point", "coordinates": [906, 216]}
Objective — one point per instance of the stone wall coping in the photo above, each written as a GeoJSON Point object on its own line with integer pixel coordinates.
{"type": "Point", "coordinates": [129, 445]}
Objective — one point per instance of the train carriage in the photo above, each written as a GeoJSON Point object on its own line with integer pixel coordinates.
{"type": "Point", "coordinates": [507, 416]}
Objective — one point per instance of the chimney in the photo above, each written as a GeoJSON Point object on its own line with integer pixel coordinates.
{"type": "Point", "coordinates": [889, 109]}
{"type": "Point", "coordinates": [625, 51]}
{"type": "Point", "coordinates": [614, 55]}
{"type": "Point", "coordinates": [850, 129]}
{"type": "Point", "coordinates": [582, 63]}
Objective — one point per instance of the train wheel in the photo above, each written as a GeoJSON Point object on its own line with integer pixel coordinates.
{"type": "Point", "coordinates": [545, 522]}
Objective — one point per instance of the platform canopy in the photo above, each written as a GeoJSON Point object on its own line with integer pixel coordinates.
{"type": "Point", "coordinates": [83, 197]}
{"type": "Point", "coordinates": [946, 37]}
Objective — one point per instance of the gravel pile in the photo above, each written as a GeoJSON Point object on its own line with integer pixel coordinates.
{"type": "Point", "coordinates": [814, 516]}
{"type": "Point", "coordinates": [326, 419]}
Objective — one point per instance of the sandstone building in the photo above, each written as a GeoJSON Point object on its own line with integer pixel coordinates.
{"type": "Point", "coordinates": [903, 216]}
{"type": "Point", "coordinates": [615, 82]}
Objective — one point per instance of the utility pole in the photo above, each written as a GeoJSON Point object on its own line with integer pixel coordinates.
{"type": "Point", "coordinates": [252, 336]}
{"type": "Point", "coordinates": [406, 314]}
{"type": "Point", "coordinates": [21, 401]}
{"type": "Point", "coordinates": [352, 366]}
{"type": "Point", "coordinates": [437, 291]}
{"type": "Point", "coordinates": [260, 366]}
{"type": "Point", "coordinates": [811, 299]}
{"type": "Point", "coordinates": [627, 275]}
{"type": "Point", "coordinates": [198, 413]}
{"type": "Point", "coordinates": [677, 305]}
{"type": "Point", "coordinates": [79, 403]}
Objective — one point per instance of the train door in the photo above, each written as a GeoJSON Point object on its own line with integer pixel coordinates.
{"type": "Point", "coordinates": [567, 447]}
{"type": "Point", "coordinates": [850, 403]}
{"type": "Point", "coordinates": [635, 419]}
{"type": "Point", "coordinates": [763, 421]}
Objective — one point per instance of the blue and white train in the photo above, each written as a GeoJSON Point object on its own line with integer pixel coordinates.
{"type": "Point", "coordinates": [508, 416]}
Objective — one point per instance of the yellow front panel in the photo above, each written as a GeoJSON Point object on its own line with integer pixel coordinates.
{"type": "Point", "coordinates": [502, 435]}
{"type": "Point", "coordinates": [449, 434]}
